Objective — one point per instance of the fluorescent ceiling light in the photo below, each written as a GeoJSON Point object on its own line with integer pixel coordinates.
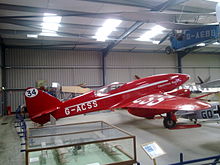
{"type": "Point", "coordinates": [50, 24]}
{"type": "Point", "coordinates": [52, 18]}
{"type": "Point", "coordinates": [213, 0]}
{"type": "Point", "coordinates": [106, 29]}
{"type": "Point", "coordinates": [112, 23]}
{"type": "Point", "coordinates": [156, 42]}
{"type": "Point", "coordinates": [156, 30]}
{"type": "Point", "coordinates": [216, 43]}
{"type": "Point", "coordinates": [201, 44]}
{"type": "Point", "coordinates": [32, 36]}
{"type": "Point", "coordinates": [49, 34]}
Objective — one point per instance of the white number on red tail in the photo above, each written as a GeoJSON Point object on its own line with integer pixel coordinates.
{"type": "Point", "coordinates": [32, 92]}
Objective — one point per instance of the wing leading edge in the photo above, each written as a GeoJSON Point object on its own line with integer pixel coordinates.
{"type": "Point", "coordinates": [155, 104]}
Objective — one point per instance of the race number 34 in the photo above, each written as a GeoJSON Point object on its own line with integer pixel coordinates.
{"type": "Point", "coordinates": [32, 92]}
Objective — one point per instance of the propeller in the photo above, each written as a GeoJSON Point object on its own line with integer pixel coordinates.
{"type": "Point", "coordinates": [203, 81]}
{"type": "Point", "coordinates": [200, 80]}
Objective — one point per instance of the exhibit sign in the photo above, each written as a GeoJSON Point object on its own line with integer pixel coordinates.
{"type": "Point", "coordinates": [153, 150]}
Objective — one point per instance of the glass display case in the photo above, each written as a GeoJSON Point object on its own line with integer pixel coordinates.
{"type": "Point", "coordinates": [89, 143]}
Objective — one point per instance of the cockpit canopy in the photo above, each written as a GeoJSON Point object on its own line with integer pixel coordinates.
{"type": "Point", "coordinates": [109, 88]}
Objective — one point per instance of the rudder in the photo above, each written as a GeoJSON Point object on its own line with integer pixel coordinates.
{"type": "Point", "coordinates": [40, 104]}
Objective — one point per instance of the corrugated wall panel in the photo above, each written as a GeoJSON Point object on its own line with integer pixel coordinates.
{"type": "Point", "coordinates": [38, 57]}
{"type": "Point", "coordinates": [67, 67]}
{"type": "Point", "coordinates": [23, 78]}
{"type": "Point", "coordinates": [1, 102]}
{"type": "Point", "coordinates": [142, 72]}
{"type": "Point", "coordinates": [118, 75]}
{"type": "Point", "coordinates": [215, 74]}
{"type": "Point", "coordinates": [164, 70]}
{"type": "Point", "coordinates": [203, 65]}
{"type": "Point", "coordinates": [15, 99]}
{"type": "Point", "coordinates": [90, 77]}
{"type": "Point", "coordinates": [123, 66]}
{"type": "Point", "coordinates": [75, 67]}
{"type": "Point", "coordinates": [140, 59]}
{"type": "Point", "coordinates": [201, 60]}
{"type": "Point", "coordinates": [203, 73]}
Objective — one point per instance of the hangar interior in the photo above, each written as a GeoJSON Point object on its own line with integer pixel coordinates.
{"type": "Point", "coordinates": [71, 55]}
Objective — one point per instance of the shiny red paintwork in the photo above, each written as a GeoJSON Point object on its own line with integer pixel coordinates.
{"type": "Point", "coordinates": [121, 97]}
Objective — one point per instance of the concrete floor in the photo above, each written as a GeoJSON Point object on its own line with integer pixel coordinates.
{"type": "Point", "coordinates": [9, 143]}
{"type": "Point", "coordinates": [193, 143]}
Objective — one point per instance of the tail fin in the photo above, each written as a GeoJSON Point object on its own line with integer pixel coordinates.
{"type": "Point", "coordinates": [40, 105]}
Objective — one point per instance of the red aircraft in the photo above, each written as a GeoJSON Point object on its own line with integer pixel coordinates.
{"type": "Point", "coordinates": [145, 97]}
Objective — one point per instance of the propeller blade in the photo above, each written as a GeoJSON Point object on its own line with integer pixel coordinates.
{"type": "Point", "coordinates": [200, 80]}
{"type": "Point", "coordinates": [136, 77]}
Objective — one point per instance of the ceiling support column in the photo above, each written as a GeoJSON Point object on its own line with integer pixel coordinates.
{"type": "Point", "coordinates": [130, 30]}
{"type": "Point", "coordinates": [180, 55]}
{"type": "Point", "coordinates": [3, 77]}
{"type": "Point", "coordinates": [105, 51]}
{"type": "Point", "coordinates": [103, 58]}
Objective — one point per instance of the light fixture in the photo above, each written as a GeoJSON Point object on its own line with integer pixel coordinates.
{"type": "Point", "coordinates": [32, 36]}
{"type": "Point", "coordinates": [50, 25]}
{"type": "Point", "coordinates": [147, 36]}
{"type": "Point", "coordinates": [213, 0]}
{"type": "Point", "coordinates": [49, 34]}
{"type": "Point", "coordinates": [156, 42]}
{"type": "Point", "coordinates": [51, 18]}
{"type": "Point", "coordinates": [201, 44]}
{"type": "Point", "coordinates": [216, 43]}
{"type": "Point", "coordinates": [106, 29]}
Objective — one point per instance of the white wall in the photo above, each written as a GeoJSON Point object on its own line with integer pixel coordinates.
{"type": "Point", "coordinates": [68, 67]}
{"type": "Point", "coordinates": [26, 66]}
{"type": "Point", "coordinates": [203, 65]}
{"type": "Point", "coordinates": [123, 66]}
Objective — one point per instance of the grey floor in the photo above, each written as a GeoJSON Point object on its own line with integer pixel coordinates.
{"type": "Point", "coordinates": [193, 143]}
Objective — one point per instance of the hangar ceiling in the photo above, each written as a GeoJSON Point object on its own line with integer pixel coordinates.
{"type": "Point", "coordinates": [82, 18]}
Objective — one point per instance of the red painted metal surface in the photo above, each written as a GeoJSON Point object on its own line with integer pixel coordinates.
{"type": "Point", "coordinates": [144, 97]}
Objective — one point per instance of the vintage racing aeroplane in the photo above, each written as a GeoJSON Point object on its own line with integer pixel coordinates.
{"type": "Point", "coordinates": [209, 115]}
{"type": "Point", "coordinates": [145, 97]}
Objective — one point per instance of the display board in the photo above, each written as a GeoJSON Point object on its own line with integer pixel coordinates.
{"type": "Point", "coordinates": [153, 150]}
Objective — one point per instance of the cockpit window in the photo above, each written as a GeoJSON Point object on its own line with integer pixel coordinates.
{"type": "Point", "coordinates": [109, 88]}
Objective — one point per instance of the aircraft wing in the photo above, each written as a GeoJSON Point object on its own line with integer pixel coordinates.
{"type": "Point", "coordinates": [211, 84]}
{"type": "Point", "coordinates": [160, 103]}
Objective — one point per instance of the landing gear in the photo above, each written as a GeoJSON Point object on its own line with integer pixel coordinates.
{"type": "Point", "coordinates": [170, 120]}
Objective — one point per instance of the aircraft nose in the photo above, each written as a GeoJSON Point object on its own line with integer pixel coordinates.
{"type": "Point", "coordinates": [184, 77]}
{"type": "Point", "coordinates": [179, 79]}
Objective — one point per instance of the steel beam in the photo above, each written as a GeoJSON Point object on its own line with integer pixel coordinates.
{"type": "Point", "coordinates": [4, 84]}
{"type": "Point", "coordinates": [103, 58]}
{"type": "Point", "coordinates": [38, 10]}
{"type": "Point", "coordinates": [47, 10]}
{"type": "Point", "coordinates": [180, 55]}
{"type": "Point", "coordinates": [132, 3]}
{"type": "Point", "coordinates": [156, 6]}
{"type": "Point", "coordinates": [24, 32]}
{"type": "Point", "coordinates": [37, 25]}
{"type": "Point", "coordinates": [51, 42]}
{"type": "Point", "coordinates": [130, 30]}
{"type": "Point", "coordinates": [167, 4]}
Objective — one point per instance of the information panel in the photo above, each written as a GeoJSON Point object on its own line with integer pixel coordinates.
{"type": "Point", "coordinates": [153, 149]}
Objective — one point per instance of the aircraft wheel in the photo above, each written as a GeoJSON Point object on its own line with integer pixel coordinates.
{"type": "Point", "coordinates": [195, 121]}
{"type": "Point", "coordinates": [169, 123]}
